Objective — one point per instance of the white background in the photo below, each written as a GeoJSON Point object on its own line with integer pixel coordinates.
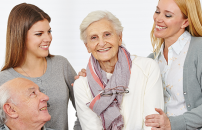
{"type": "Point", "coordinates": [136, 17]}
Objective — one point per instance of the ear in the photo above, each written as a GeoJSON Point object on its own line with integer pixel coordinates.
{"type": "Point", "coordinates": [10, 110]}
{"type": "Point", "coordinates": [120, 39]}
{"type": "Point", "coordinates": [185, 23]}
{"type": "Point", "coordinates": [87, 47]}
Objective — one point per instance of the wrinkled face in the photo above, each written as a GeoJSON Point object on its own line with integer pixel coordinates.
{"type": "Point", "coordinates": [31, 104]}
{"type": "Point", "coordinates": [168, 20]}
{"type": "Point", "coordinates": [39, 39]}
{"type": "Point", "coordinates": [103, 41]}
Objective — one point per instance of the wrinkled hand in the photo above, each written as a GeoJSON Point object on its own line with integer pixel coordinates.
{"type": "Point", "coordinates": [158, 121]}
{"type": "Point", "coordinates": [81, 73]}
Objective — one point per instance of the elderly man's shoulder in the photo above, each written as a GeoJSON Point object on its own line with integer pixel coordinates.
{"type": "Point", "coordinates": [145, 64]}
{"type": "Point", "coordinates": [3, 127]}
{"type": "Point", "coordinates": [49, 129]}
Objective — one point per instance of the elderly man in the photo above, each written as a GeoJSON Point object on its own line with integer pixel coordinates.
{"type": "Point", "coordinates": [23, 106]}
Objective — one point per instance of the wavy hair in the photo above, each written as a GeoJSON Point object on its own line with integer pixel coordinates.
{"type": "Point", "coordinates": [190, 9]}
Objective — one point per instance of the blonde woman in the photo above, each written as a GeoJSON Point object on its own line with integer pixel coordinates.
{"type": "Point", "coordinates": [177, 43]}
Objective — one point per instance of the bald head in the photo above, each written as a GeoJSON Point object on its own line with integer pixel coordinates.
{"type": "Point", "coordinates": [5, 94]}
{"type": "Point", "coordinates": [22, 101]}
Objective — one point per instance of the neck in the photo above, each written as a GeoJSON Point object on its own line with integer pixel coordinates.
{"type": "Point", "coordinates": [32, 67]}
{"type": "Point", "coordinates": [108, 66]}
{"type": "Point", "coordinates": [170, 41]}
{"type": "Point", "coordinates": [19, 125]}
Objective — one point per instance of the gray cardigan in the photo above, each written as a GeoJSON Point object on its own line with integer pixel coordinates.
{"type": "Point", "coordinates": [192, 85]}
{"type": "Point", "coordinates": [56, 83]}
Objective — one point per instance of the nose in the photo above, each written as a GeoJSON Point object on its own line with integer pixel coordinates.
{"type": "Point", "coordinates": [158, 18]}
{"type": "Point", "coordinates": [44, 97]}
{"type": "Point", "coordinates": [101, 42]}
{"type": "Point", "coordinates": [47, 38]}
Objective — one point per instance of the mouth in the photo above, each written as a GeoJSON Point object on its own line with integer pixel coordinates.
{"type": "Point", "coordinates": [43, 108]}
{"type": "Point", "coordinates": [160, 28]}
{"type": "Point", "coordinates": [44, 46]}
{"type": "Point", "coordinates": [102, 50]}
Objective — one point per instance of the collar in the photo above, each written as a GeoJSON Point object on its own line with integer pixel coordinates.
{"type": "Point", "coordinates": [4, 127]}
{"type": "Point", "coordinates": [178, 45]}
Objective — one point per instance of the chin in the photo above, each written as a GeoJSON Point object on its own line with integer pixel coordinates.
{"type": "Point", "coordinates": [47, 118]}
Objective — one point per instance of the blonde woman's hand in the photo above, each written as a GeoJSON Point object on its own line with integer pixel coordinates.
{"type": "Point", "coordinates": [81, 73]}
{"type": "Point", "coordinates": [158, 121]}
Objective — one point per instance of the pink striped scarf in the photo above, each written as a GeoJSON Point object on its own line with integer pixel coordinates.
{"type": "Point", "coordinates": [108, 107]}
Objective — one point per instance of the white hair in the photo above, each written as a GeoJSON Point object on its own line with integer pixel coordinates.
{"type": "Point", "coordinates": [4, 97]}
{"type": "Point", "coordinates": [96, 16]}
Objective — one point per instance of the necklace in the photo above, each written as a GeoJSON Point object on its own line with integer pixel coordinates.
{"type": "Point", "coordinates": [30, 76]}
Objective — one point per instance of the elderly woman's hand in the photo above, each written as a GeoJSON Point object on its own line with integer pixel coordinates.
{"type": "Point", "coordinates": [81, 73]}
{"type": "Point", "coordinates": [158, 121]}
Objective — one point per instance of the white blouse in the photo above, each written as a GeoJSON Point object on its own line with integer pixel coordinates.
{"type": "Point", "coordinates": [145, 94]}
{"type": "Point", "coordinates": [172, 75]}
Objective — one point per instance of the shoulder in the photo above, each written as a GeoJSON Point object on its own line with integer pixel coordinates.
{"type": "Point", "coordinates": [5, 76]}
{"type": "Point", "coordinates": [58, 60]}
{"type": "Point", "coordinates": [146, 65]}
{"type": "Point", "coordinates": [3, 127]}
{"type": "Point", "coordinates": [196, 42]}
{"type": "Point", "coordinates": [151, 55]}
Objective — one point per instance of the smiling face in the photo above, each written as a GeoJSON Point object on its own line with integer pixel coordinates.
{"type": "Point", "coordinates": [103, 41]}
{"type": "Point", "coordinates": [39, 39]}
{"type": "Point", "coordinates": [169, 21]}
{"type": "Point", "coordinates": [31, 104]}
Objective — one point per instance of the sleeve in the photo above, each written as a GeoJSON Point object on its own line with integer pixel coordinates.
{"type": "Point", "coordinates": [88, 119]}
{"type": "Point", "coordinates": [69, 78]}
{"type": "Point", "coordinates": [190, 120]}
{"type": "Point", "coordinates": [153, 97]}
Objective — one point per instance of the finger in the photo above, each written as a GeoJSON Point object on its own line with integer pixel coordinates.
{"type": "Point", "coordinates": [152, 121]}
{"type": "Point", "coordinates": [160, 111]}
{"type": "Point", "coordinates": [83, 70]}
{"type": "Point", "coordinates": [152, 116]}
{"type": "Point", "coordinates": [76, 77]}
{"type": "Point", "coordinates": [72, 84]}
{"type": "Point", "coordinates": [152, 124]}
{"type": "Point", "coordinates": [154, 128]}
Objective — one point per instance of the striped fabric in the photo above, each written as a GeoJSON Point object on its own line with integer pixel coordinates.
{"type": "Point", "coordinates": [108, 107]}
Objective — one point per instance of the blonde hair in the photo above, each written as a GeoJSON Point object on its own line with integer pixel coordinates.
{"type": "Point", "coordinates": [191, 9]}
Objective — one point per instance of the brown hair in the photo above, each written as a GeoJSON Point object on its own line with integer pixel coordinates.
{"type": "Point", "coordinates": [20, 20]}
{"type": "Point", "coordinates": [191, 9]}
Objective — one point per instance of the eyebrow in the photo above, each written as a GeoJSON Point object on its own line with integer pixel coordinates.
{"type": "Point", "coordinates": [167, 11]}
{"type": "Point", "coordinates": [32, 88]}
{"type": "Point", "coordinates": [102, 32]}
{"type": "Point", "coordinates": [42, 31]}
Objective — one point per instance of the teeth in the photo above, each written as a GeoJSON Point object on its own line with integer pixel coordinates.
{"type": "Point", "coordinates": [160, 27]}
{"type": "Point", "coordinates": [44, 108]}
{"type": "Point", "coordinates": [104, 49]}
{"type": "Point", "coordinates": [44, 46]}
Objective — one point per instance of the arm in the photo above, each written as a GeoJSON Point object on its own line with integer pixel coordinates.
{"type": "Point", "coordinates": [154, 92]}
{"type": "Point", "coordinates": [69, 73]}
{"type": "Point", "coordinates": [88, 119]}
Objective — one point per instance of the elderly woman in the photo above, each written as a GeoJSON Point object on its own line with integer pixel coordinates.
{"type": "Point", "coordinates": [119, 91]}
